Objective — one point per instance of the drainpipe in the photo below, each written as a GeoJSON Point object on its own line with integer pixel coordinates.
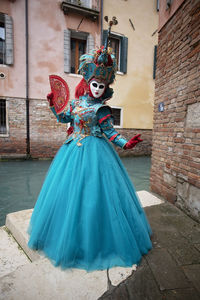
{"type": "Point", "coordinates": [101, 22]}
{"type": "Point", "coordinates": [27, 83]}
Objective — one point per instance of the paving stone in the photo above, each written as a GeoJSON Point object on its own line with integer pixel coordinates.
{"type": "Point", "coordinates": [185, 254]}
{"type": "Point", "coordinates": [167, 274]}
{"type": "Point", "coordinates": [162, 223]}
{"type": "Point", "coordinates": [165, 209]}
{"type": "Point", "coordinates": [180, 294]}
{"type": "Point", "coordinates": [117, 293]}
{"type": "Point", "coordinates": [197, 246]}
{"type": "Point", "coordinates": [165, 238]}
{"type": "Point", "coordinates": [120, 293]}
{"type": "Point", "coordinates": [187, 227]}
{"type": "Point", "coordinates": [193, 274]}
{"type": "Point", "coordinates": [182, 224]}
{"type": "Point", "coordinates": [141, 285]}
{"type": "Point", "coordinates": [192, 236]}
{"type": "Point", "coordinates": [106, 297]}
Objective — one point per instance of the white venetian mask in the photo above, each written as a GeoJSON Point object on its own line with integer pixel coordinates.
{"type": "Point", "coordinates": [97, 88]}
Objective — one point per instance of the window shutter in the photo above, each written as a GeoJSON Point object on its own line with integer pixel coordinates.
{"type": "Point", "coordinates": [9, 40]}
{"type": "Point", "coordinates": [105, 33]}
{"type": "Point", "coordinates": [90, 43]}
{"type": "Point", "coordinates": [154, 62]}
{"type": "Point", "coordinates": [124, 54]}
{"type": "Point", "coordinates": [67, 50]}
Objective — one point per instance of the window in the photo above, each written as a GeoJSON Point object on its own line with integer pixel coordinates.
{"type": "Point", "coordinates": [117, 116]}
{"type": "Point", "coordinates": [2, 40]}
{"type": "Point", "coordinates": [75, 44]}
{"type": "Point", "coordinates": [114, 44]}
{"type": "Point", "coordinates": [6, 39]}
{"type": "Point", "coordinates": [78, 48]}
{"type": "Point", "coordinates": [119, 43]}
{"type": "Point", "coordinates": [3, 118]}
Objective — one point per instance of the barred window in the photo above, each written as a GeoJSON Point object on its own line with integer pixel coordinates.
{"type": "Point", "coordinates": [6, 39]}
{"type": "Point", "coordinates": [3, 125]}
{"type": "Point", "coordinates": [117, 115]}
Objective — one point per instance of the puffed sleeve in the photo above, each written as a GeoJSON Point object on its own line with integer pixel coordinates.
{"type": "Point", "coordinates": [105, 119]}
{"type": "Point", "coordinates": [66, 116]}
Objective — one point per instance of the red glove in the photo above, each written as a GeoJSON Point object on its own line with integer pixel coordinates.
{"type": "Point", "coordinates": [50, 99]}
{"type": "Point", "coordinates": [133, 142]}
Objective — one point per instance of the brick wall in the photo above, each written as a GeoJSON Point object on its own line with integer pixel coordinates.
{"type": "Point", "coordinates": [47, 135]}
{"type": "Point", "coordinates": [15, 143]}
{"type": "Point", "coordinates": [143, 148]}
{"type": "Point", "coordinates": [175, 172]}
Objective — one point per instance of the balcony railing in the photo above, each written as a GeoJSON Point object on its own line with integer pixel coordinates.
{"type": "Point", "coordinates": [83, 7]}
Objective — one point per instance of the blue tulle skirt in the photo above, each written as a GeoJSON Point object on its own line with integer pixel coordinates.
{"type": "Point", "coordinates": [88, 215]}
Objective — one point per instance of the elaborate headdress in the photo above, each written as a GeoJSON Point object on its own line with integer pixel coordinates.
{"type": "Point", "coordinates": [100, 63]}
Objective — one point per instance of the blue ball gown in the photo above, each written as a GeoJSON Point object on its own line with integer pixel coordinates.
{"type": "Point", "coordinates": [88, 214]}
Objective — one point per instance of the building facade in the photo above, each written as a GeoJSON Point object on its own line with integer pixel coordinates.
{"type": "Point", "coordinates": [134, 41]}
{"type": "Point", "coordinates": [175, 172]}
{"type": "Point", "coordinates": [39, 38]}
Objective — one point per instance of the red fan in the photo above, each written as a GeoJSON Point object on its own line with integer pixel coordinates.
{"type": "Point", "coordinates": [60, 91]}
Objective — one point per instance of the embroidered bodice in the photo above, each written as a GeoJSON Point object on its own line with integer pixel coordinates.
{"type": "Point", "coordinates": [90, 117]}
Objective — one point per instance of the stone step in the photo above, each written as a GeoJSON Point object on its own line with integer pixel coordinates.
{"type": "Point", "coordinates": [17, 223]}
{"type": "Point", "coordinates": [41, 280]}
{"type": "Point", "coordinates": [11, 254]}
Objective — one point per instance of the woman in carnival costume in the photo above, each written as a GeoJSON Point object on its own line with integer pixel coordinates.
{"type": "Point", "coordinates": [88, 214]}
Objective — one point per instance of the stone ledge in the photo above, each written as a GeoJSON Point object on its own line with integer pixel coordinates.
{"type": "Point", "coordinates": [11, 255]}
{"type": "Point", "coordinates": [17, 223]}
{"type": "Point", "coordinates": [41, 280]}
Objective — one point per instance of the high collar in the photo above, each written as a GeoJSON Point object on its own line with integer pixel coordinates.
{"type": "Point", "coordinates": [91, 100]}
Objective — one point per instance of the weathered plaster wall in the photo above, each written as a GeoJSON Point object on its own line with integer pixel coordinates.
{"type": "Point", "coordinates": [47, 24]}
{"type": "Point", "coordinates": [175, 172]}
{"type": "Point", "coordinates": [134, 91]}
{"type": "Point", "coordinates": [46, 56]}
{"type": "Point", "coordinates": [14, 83]}
{"type": "Point", "coordinates": [46, 45]}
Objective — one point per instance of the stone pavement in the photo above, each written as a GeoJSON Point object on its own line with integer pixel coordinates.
{"type": "Point", "coordinates": [172, 269]}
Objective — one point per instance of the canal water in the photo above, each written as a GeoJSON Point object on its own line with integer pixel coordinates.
{"type": "Point", "coordinates": [21, 181]}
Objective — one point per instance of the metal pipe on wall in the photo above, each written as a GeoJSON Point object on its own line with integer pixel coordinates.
{"type": "Point", "coordinates": [27, 82]}
{"type": "Point", "coordinates": [101, 22]}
